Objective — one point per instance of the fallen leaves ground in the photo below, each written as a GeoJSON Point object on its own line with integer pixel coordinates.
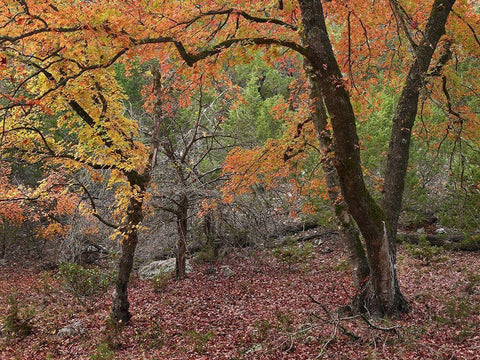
{"type": "Point", "coordinates": [263, 311]}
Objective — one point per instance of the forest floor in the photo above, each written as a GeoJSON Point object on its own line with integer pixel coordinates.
{"type": "Point", "coordinates": [262, 309]}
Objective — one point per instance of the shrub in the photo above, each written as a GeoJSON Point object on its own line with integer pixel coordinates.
{"type": "Point", "coordinates": [206, 255]}
{"type": "Point", "coordinates": [293, 253]}
{"type": "Point", "coordinates": [285, 321]}
{"type": "Point", "coordinates": [457, 310]}
{"type": "Point", "coordinates": [424, 251]}
{"type": "Point", "coordinates": [473, 281]}
{"type": "Point", "coordinates": [112, 339]}
{"type": "Point", "coordinates": [150, 337]}
{"type": "Point", "coordinates": [470, 243]}
{"type": "Point", "coordinates": [262, 328]}
{"type": "Point", "coordinates": [83, 282]}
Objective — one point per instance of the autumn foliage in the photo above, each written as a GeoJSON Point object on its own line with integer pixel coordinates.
{"type": "Point", "coordinates": [65, 114]}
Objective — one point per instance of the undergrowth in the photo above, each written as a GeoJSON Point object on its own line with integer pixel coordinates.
{"type": "Point", "coordinates": [18, 322]}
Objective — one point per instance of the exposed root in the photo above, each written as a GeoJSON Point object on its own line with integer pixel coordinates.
{"type": "Point", "coordinates": [338, 319]}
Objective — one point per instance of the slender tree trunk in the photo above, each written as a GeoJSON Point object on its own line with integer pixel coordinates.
{"type": "Point", "coordinates": [344, 221]}
{"type": "Point", "coordinates": [182, 228]}
{"type": "Point", "coordinates": [380, 295]}
{"type": "Point", "coordinates": [160, 137]}
{"type": "Point", "coordinates": [120, 305]}
{"type": "Point", "coordinates": [3, 240]}
{"type": "Point", "coordinates": [404, 118]}
{"type": "Point", "coordinates": [209, 231]}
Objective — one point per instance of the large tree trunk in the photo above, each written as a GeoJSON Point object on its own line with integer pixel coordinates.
{"type": "Point", "coordinates": [344, 221]}
{"type": "Point", "coordinates": [404, 118]}
{"type": "Point", "coordinates": [380, 295]}
{"type": "Point", "coordinates": [120, 305]}
{"type": "Point", "coordinates": [182, 228]}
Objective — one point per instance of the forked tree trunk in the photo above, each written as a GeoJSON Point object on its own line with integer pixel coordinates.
{"type": "Point", "coordinates": [405, 114]}
{"type": "Point", "coordinates": [347, 229]}
{"type": "Point", "coordinates": [380, 295]}
{"type": "Point", "coordinates": [120, 304]}
{"type": "Point", "coordinates": [182, 228]}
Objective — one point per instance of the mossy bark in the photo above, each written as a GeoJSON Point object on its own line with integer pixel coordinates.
{"type": "Point", "coordinates": [405, 114]}
{"type": "Point", "coordinates": [346, 225]}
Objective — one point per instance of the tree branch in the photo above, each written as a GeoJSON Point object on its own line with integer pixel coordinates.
{"type": "Point", "coordinates": [94, 208]}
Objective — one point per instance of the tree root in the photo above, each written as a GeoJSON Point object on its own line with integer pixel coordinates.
{"type": "Point", "coordinates": [337, 320]}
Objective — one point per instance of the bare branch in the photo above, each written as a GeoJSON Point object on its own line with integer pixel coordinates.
{"type": "Point", "coordinates": [240, 13]}
{"type": "Point", "coordinates": [94, 208]}
{"type": "Point", "coordinates": [402, 17]}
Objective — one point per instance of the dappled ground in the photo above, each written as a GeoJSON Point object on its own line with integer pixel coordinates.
{"type": "Point", "coordinates": [260, 311]}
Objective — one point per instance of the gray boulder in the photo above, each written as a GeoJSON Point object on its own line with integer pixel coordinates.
{"type": "Point", "coordinates": [160, 267]}
{"type": "Point", "coordinates": [72, 329]}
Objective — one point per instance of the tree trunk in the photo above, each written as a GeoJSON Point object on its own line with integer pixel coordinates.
{"type": "Point", "coordinates": [3, 239]}
{"type": "Point", "coordinates": [404, 118]}
{"type": "Point", "coordinates": [120, 304]}
{"type": "Point", "coordinates": [380, 295]}
{"type": "Point", "coordinates": [344, 221]}
{"type": "Point", "coordinates": [182, 228]}
{"type": "Point", "coordinates": [209, 231]}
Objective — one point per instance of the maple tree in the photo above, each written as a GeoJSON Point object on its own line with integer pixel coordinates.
{"type": "Point", "coordinates": [56, 60]}
{"type": "Point", "coordinates": [85, 103]}
{"type": "Point", "coordinates": [381, 293]}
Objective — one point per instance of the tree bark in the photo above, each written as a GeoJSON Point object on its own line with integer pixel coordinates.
{"type": "Point", "coordinates": [120, 305]}
{"type": "Point", "coordinates": [3, 239]}
{"type": "Point", "coordinates": [209, 231]}
{"type": "Point", "coordinates": [182, 228]}
{"type": "Point", "coordinates": [345, 223]}
{"type": "Point", "coordinates": [404, 118]}
{"type": "Point", "coordinates": [380, 295]}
